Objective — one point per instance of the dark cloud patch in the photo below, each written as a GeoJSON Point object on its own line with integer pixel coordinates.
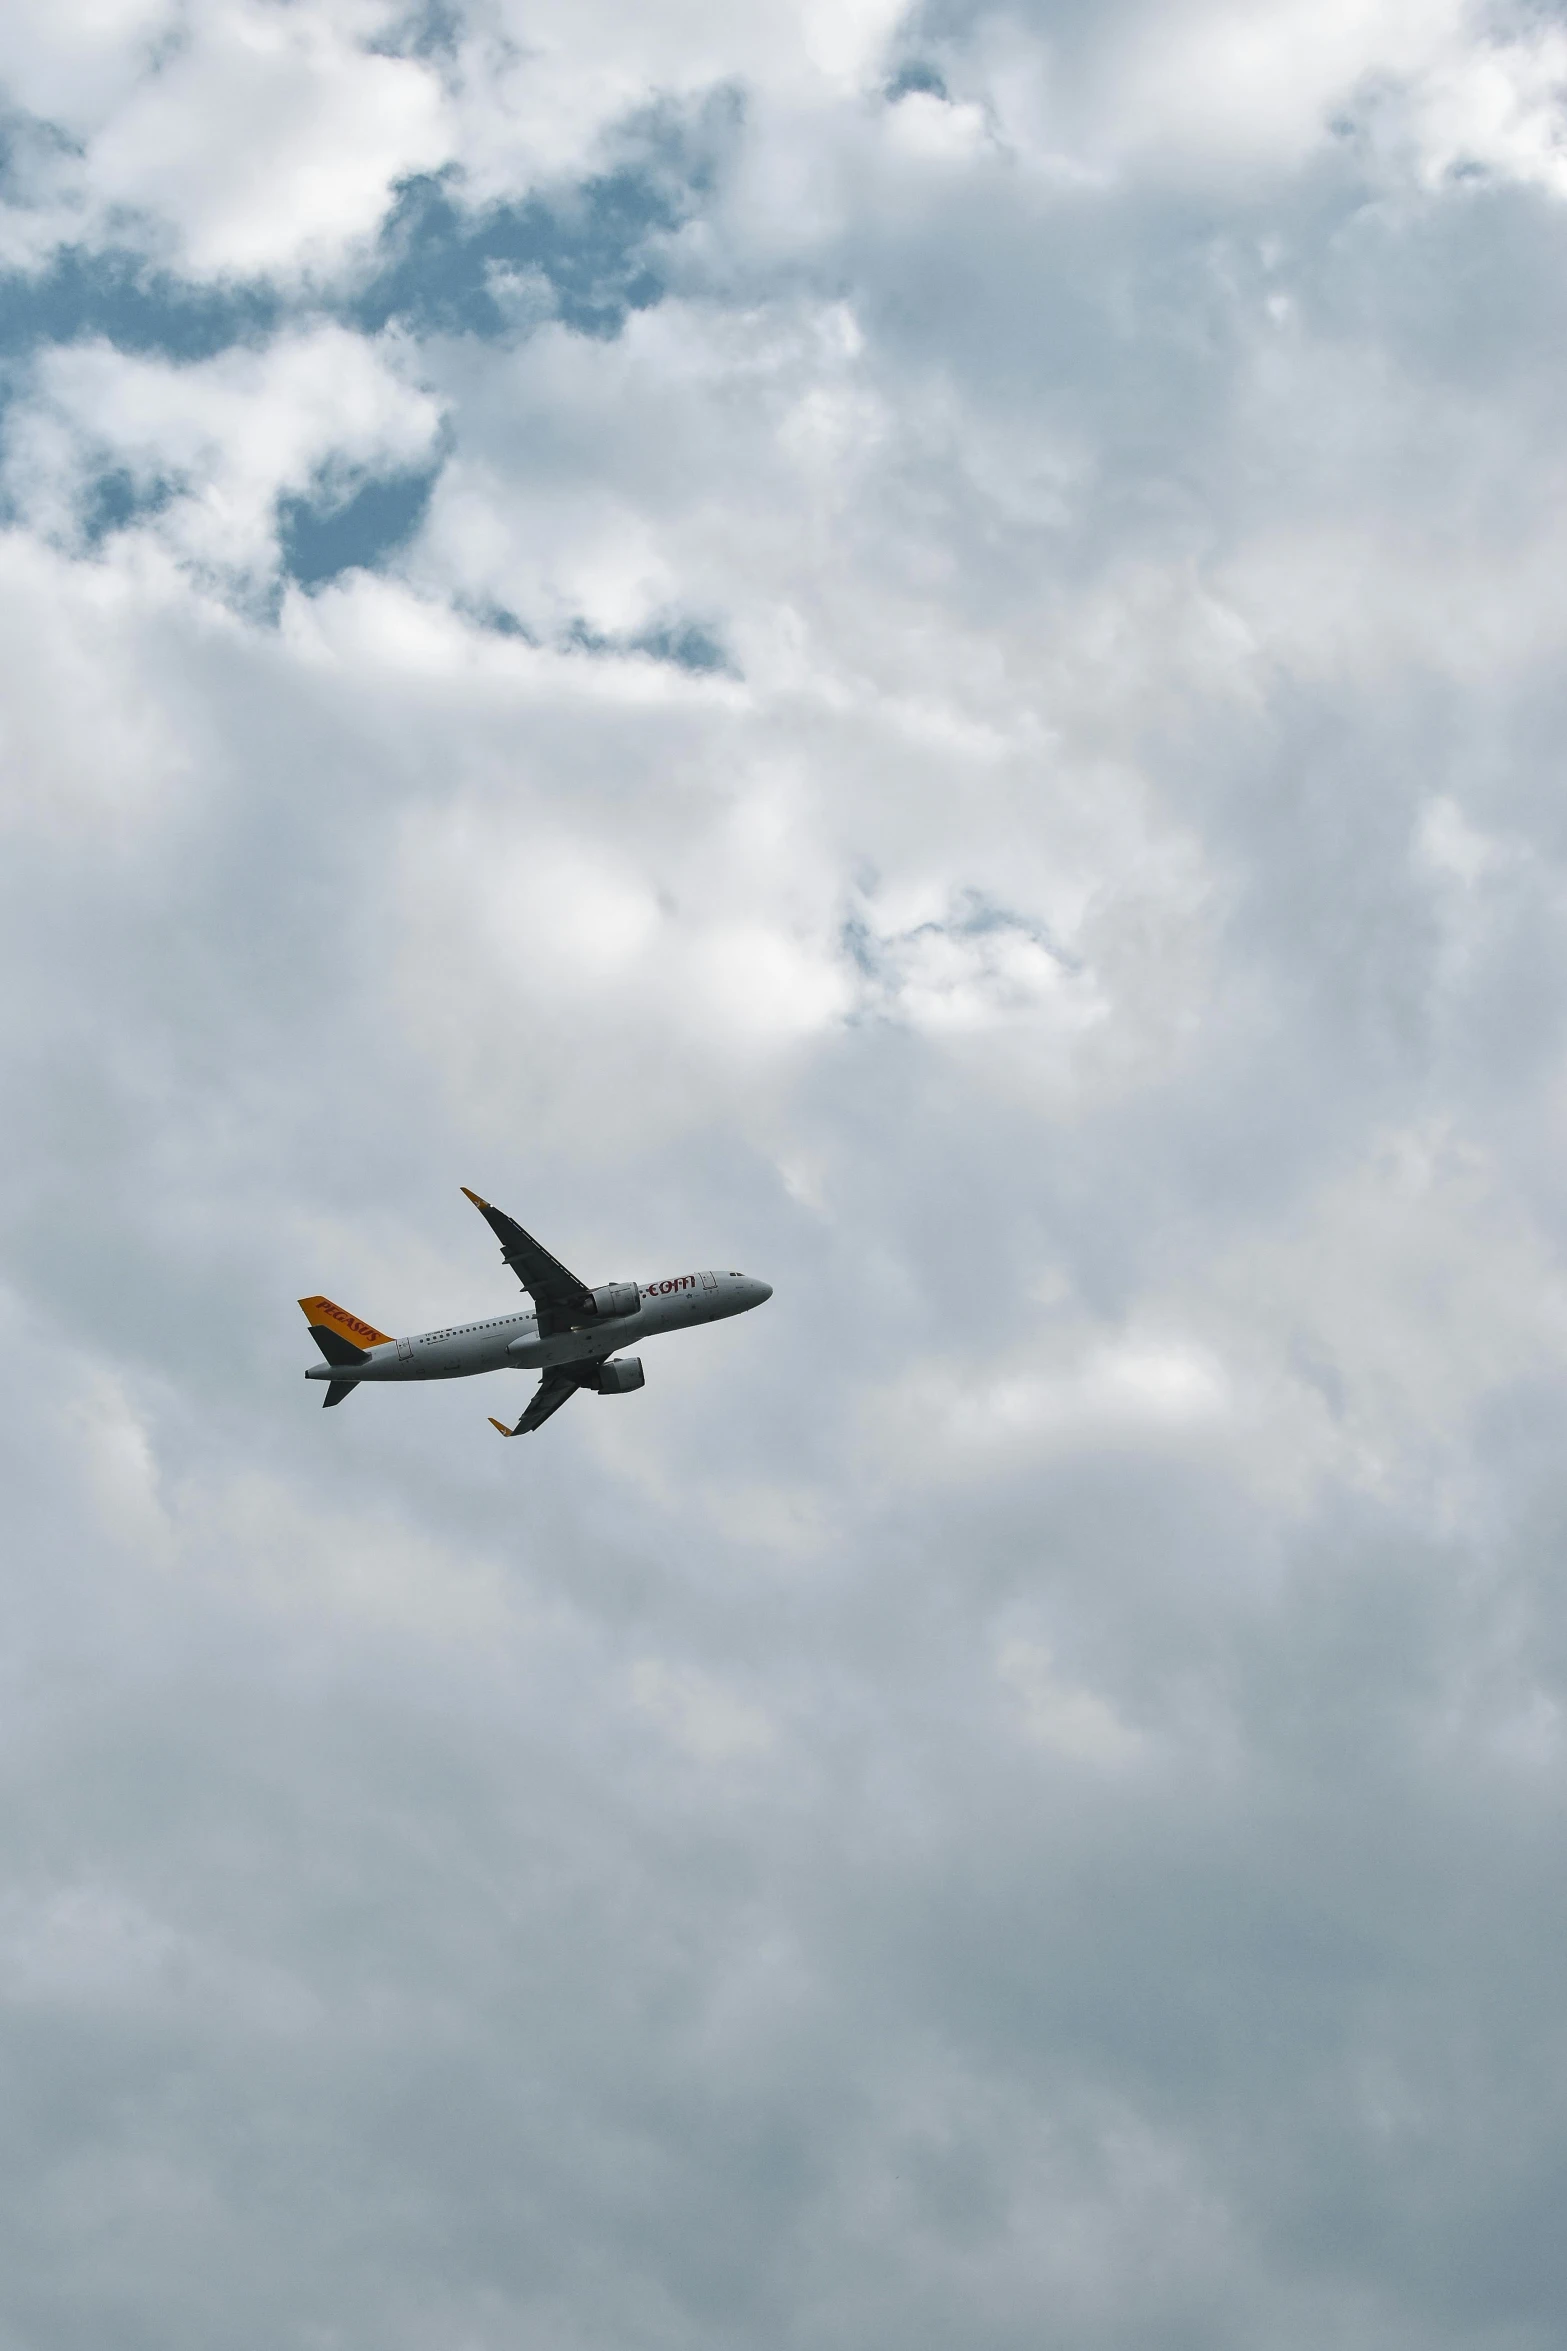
{"type": "Point", "coordinates": [918, 77]}
{"type": "Point", "coordinates": [499, 621]}
{"type": "Point", "coordinates": [425, 28]}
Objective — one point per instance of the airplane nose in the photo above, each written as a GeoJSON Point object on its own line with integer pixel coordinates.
{"type": "Point", "coordinates": [764, 1291]}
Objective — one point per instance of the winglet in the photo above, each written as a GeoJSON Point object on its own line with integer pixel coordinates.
{"type": "Point", "coordinates": [494, 1423]}
{"type": "Point", "coordinates": [473, 1196]}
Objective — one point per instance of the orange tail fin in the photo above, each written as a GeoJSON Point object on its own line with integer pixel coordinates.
{"type": "Point", "coordinates": [333, 1329]}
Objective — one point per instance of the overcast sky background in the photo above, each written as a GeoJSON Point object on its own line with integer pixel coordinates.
{"type": "Point", "coordinates": [920, 652]}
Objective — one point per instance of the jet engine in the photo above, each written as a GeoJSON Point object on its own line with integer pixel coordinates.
{"type": "Point", "coordinates": [615, 1298]}
{"type": "Point", "coordinates": [620, 1375]}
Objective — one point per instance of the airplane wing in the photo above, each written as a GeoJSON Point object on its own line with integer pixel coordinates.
{"type": "Point", "coordinates": [550, 1394]}
{"type": "Point", "coordinates": [557, 1294]}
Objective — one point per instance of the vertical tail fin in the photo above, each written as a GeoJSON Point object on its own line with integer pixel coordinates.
{"type": "Point", "coordinates": [342, 1338]}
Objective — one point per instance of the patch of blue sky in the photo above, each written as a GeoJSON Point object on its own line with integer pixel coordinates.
{"type": "Point", "coordinates": [596, 249]}
{"type": "Point", "coordinates": [446, 269]}
{"type": "Point", "coordinates": [439, 268]}
{"type": "Point", "coordinates": [588, 254]}
{"type": "Point", "coordinates": [688, 644]}
{"type": "Point", "coordinates": [115, 296]}
{"type": "Point", "coordinates": [116, 500]}
{"type": "Point", "coordinates": [351, 526]}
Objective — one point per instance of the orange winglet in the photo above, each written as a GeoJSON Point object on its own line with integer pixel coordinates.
{"type": "Point", "coordinates": [501, 1425]}
{"type": "Point", "coordinates": [473, 1196]}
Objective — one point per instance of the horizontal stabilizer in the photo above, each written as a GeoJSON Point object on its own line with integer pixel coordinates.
{"type": "Point", "coordinates": [338, 1352]}
{"type": "Point", "coordinates": [336, 1390]}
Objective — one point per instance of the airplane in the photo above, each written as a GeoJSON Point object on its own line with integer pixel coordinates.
{"type": "Point", "coordinates": [570, 1336]}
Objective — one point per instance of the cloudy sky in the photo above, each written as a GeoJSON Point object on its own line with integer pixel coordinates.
{"type": "Point", "coordinates": [916, 650]}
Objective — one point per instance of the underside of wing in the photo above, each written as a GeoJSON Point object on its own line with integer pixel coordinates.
{"type": "Point", "coordinates": [556, 1292]}
{"type": "Point", "coordinates": [550, 1394]}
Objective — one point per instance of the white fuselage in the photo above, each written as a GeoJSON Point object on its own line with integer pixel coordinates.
{"type": "Point", "coordinates": [511, 1342]}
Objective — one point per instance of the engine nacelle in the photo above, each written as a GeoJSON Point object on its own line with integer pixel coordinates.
{"type": "Point", "coordinates": [615, 1298]}
{"type": "Point", "coordinates": [620, 1375]}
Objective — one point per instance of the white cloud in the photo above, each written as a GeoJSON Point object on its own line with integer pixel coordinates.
{"type": "Point", "coordinates": [939, 1419]}
{"type": "Point", "coordinates": [92, 752]}
{"type": "Point", "coordinates": [542, 90]}
{"type": "Point", "coordinates": [697, 1713]}
{"type": "Point", "coordinates": [237, 139]}
{"type": "Point", "coordinates": [269, 140]}
{"type": "Point", "coordinates": [979, 969]}
{"type": "Point", "coordinates": [121, 1470]}
{"type": "Point", "coordinates": [1222, 83]}
{"type": "Point", "coordinates": [77, 62]}
{"type": "Point", "coordinates": [1409, 1290]}
{"type": "Point", "coordinates": [1059, 1714]}
{"type": "Point", "coordinates": [83, 1945]}
{"type": "Point", "coordinates": [1496, 108]}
